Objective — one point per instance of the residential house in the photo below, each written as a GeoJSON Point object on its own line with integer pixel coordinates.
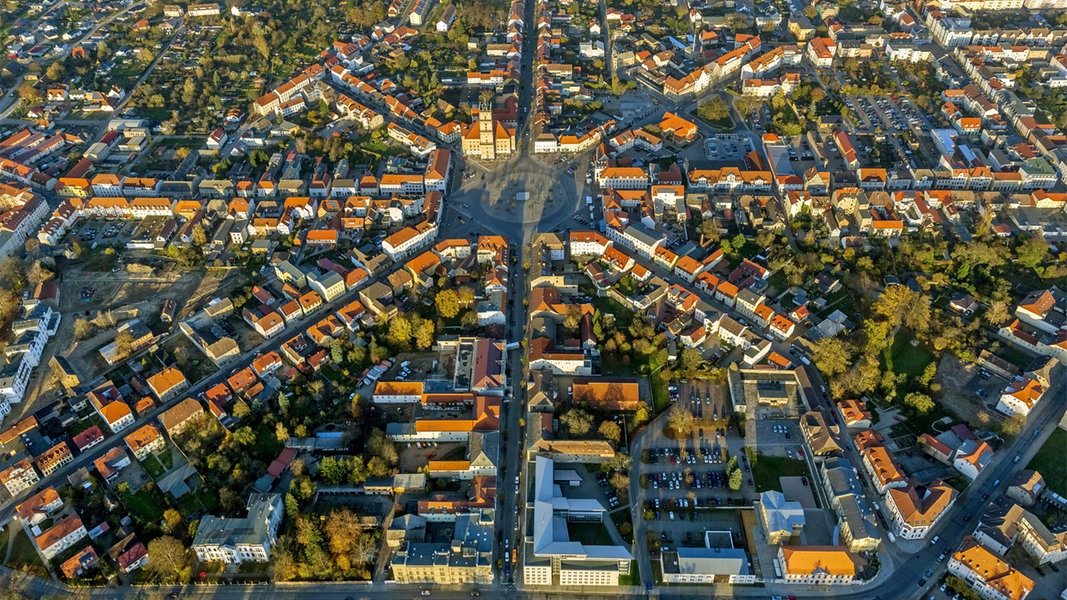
{"type": "Point", "coordinates": [144, 441]}
{"type": "Point", "coordinates": [914, 511]}
{"type": "Point", "coordinates": [19, 476]}
{"type": "Point", "coordinates": [63, 535]}
{"type": "Point", "coordinates": [178, 417]}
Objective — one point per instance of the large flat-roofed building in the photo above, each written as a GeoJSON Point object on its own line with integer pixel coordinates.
{"type": "Point", "coordinates": [550, 557]}
{"type": "Point", "coordinates": [467, 559]}
{"type": "Point", "coordinates": [762, 387]}
{"type": "Point", "coordinates": [717, 562]}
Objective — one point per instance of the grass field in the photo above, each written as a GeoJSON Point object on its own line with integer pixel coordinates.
{"type": "Point", "coordinates": [903, 357]}
{"type": "Point", "coordinates": [153, 466]}
{"type": "Point", "coordinates": [23, 554]}
{"type": "Point", "coordinates": [145, 506]}
{"type": "Point", "coordinates": [660, 399]}
{"type": "Point", "coordinates": [620, 516]}
{"type": "Point", "coordinates": [767, 469]}
{"type": "Point", "coordinates": [1050, 463]}
{"type": "Point", "coordinates": [593, 534]}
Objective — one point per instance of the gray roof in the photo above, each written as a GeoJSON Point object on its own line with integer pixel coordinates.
{"type": "Point", "coordinates": [408, 522]}
{"type": "Point", "coordinates": [550, 536]}
{"type": "Point", "coordinates": [484, 448]}
{"type": "Point", "coordinates": [471, 546]}
{"type": "Point", "coordinates": [174, 481]}
{"type": "Point", "coordinates": [781, 514]}
{"type": "Point", "coordinates": [327, 279]}
{"type": "Point", "coordinates": [643, 234]}
{"type": "Point", "coordinates": [859, 521]}
{"type": "Point", "coordinates": [706, 561]}
{"type": "Point", "coordinates": [841, 476]}
{"type": "Point", "coordinates": [747, 296]}
{"type": "Point", "coordinates": [250, 530]}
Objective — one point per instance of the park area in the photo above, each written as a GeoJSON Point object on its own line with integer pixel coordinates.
{"type": "Point", "coordinates": [1049, 461]}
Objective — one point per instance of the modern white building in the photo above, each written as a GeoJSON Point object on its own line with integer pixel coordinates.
{"type": "Point", "coordinates": [550, 557]}
{"type": "Point", "coordinates": [716, 562]}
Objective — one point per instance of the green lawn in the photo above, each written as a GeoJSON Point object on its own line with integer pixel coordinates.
{"type": "Point", "coordinates": [1014, 355]}
{"type": "Point", "coordinates": [23, 553]}
{"type": "Point", "coordinates": [607, 306]}
{"type": "Point", "coordinates": [98, 260]}
{"type": "Point", "coordinates": [166, 459]}
{"type": "Point", "coordinates": [1049, 462]}
{"type": "Point", "coordinates": [593, 534]}
{"type": "Point", "coordinates": [660, 400]}
{"type": "Point", "coordinates": [779, 281]}
{"type": "Point", "coordinates": [153, 466]}
{"type": "Point", "coordinates": [621, 516]}
{"type": "Point", "coordinates": [200, 499]}
{"type": "Point", "coordinates": [157, 114]}
{"type": "Point", "coordinates": [145, 506]}
{"type": "Point", "coordinates": [633, 577]}
{"type": "Point", "coordinates": [767, 469]}
{"type": "Point", "coordinates": [627, 286]}
{"type": "Point", "coordinates": [903, 357]}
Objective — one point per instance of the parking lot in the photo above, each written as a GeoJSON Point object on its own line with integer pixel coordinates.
{"type": "Point", "coordinates": [780, 437]}
{"type": "Point", "coordinates": [889, 113]}
{"type": "Point", "coordinates": [103, 231]}
{"type": "Point", "coordinates": [683, 477]}
{"type": "Point", "coordinates": [666, 535]}
{"type": "Point", "coordinates": [705, 399]}
{"type": "Point", "coordinates": [726, 148]}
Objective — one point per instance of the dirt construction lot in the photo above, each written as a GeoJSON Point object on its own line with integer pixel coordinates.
{"type": "Point", "coordinates": [959, 386]}
{"type": "Point", "coordinates": [116, 296]}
